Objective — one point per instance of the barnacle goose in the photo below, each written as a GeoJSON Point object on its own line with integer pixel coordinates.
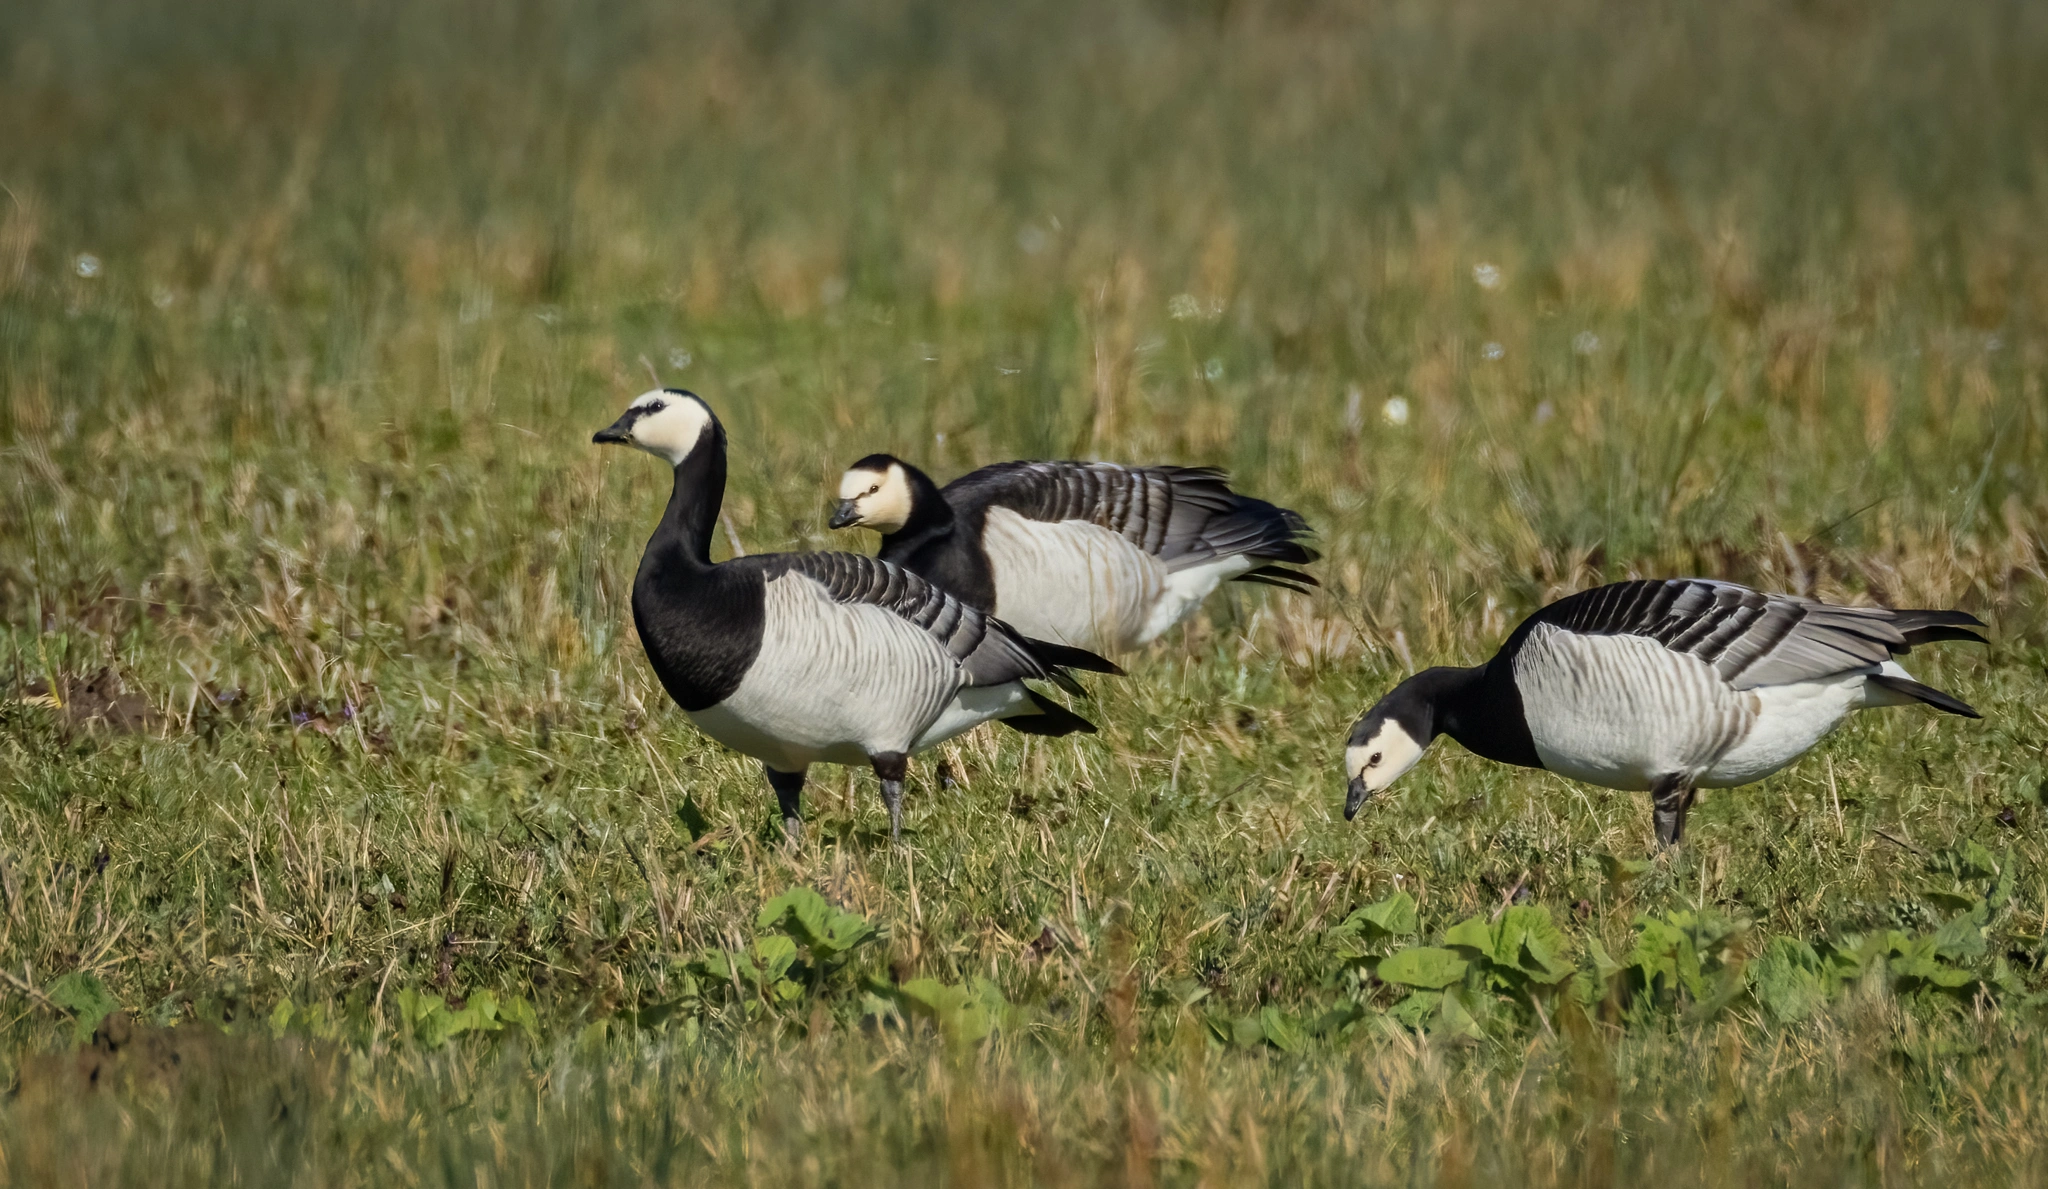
{"type": "Point", "coordinates": [1090, 554]}
{"type": "Point", "coordinates": [802, 658]}
{"type": "Point", "coordinates": [1666, 685]}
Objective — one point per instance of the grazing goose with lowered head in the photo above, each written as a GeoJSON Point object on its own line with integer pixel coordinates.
{"type": "Point", "coordinates": [801, 658]}
{"type": "Point", "coordinates": [1667, 685]}
{"type": "Point", "coordinates": [1089, 554]}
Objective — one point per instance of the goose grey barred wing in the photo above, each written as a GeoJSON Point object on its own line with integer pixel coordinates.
{"type": "Point", "coordinates": [988, 651]}
{"type": "Point", "coordinates": [1753, 639]}
{"type": "Point", "coordinates": [1179, 514]}
{"type": "Point", "coordinates": [1129, 501]}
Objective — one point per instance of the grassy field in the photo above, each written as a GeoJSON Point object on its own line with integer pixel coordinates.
{"type": "Point", "coordinates": [346, 837]}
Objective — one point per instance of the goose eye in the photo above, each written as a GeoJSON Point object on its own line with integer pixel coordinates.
{"type": "Point", "coordinates": [872, 490]}
{"type": "Point", "coordinates": [1374, 762]}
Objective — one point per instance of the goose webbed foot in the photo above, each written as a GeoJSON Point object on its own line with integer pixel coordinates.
{"type": "Point", "coordinates": [1672, 796]}
{"type": "Point", "coordinates": [890, 767]}
{"type": "Point", "coordinates": [789, 793]}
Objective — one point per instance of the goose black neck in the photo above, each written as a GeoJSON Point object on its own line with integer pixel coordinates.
{"type": "Point", "coordinates": [1481, 708]}
{"type": "Point", "coordinates": [931, 517]}
{"type": "Point", "coordinates": [1452, 695]}
{"type": "Point", "coordinates": [1437, 702]}
{"type": "Point", "coordinates": [684, 534]}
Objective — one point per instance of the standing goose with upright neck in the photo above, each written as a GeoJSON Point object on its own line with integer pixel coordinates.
{"type": "Point", "coordinates": [802, 658]}
{"type": "Point", "coordinates": [1667, 686]}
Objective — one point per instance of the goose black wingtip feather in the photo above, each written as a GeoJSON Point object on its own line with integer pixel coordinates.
{"type": "Point", "coordinates": [1052, 720]}
{"type": "Point", "coordinates": [1285, 579]}
{"type": "Point", "coordinates": [1065, 656]}
{"type": "Point", "coordinates": [1925, 693]}
{"type": "Point", "coordinates": [1919, 627]}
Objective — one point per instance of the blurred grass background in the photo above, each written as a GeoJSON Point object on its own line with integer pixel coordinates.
{"type": "Point", "coordinates": [307, 313]}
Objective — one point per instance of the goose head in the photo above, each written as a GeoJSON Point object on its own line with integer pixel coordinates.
{"type": "Point", "coordinates": [668, 423]}
{"type": "Point", "coordinates": [1385, 742]}
{"type": "Point", "coordinates": [875, 493]}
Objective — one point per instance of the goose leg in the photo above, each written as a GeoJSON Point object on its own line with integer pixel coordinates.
{"type": "Point", "coordinates": [890, 766]}
{"type": "Point", "coordinates": [789, 793]}
{"type": "Point", "coordinates": [1672, 795]}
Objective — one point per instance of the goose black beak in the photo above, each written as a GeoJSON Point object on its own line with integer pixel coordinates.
{"type": "Point", "coordinates": [844, 515]}
{"type": "Point", "coordinates": [1354, 797]}
{"type": "Point", "coordinates": [618, 431]}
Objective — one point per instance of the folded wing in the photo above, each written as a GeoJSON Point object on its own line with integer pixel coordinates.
{"type": "Point", "coordinates": [988, 651]}
{"type": "Point", "coordinates": [1750, 638]}
{"type": "Point", "coordinates": [1181, 515]}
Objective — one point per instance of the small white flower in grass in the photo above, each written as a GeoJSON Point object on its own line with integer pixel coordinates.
{"type": "Point", "coordinates": [1585, 342]}
{"type": "Point", "coordinates": [939, 438]}
{"type": "Point", "coordinates": [1032, 240]}
{"type": "Point", "coordinates": [1213, 370]}
{"type": "Point", "coordinates": [1993, 343]}
{"type": "Point", "coordinates": [679, 358]}
{"type": "Point", "coordinates": [87, 265]}
{"type": "Point", "coordinates": [162, 297]}
{"type": "Point", "coordinates": [547, 315]}
{"type": "Point", "coordinates": [1492, 351]}
{"type": "Point", "coordinates": [1183, 306]}
{"type": "Point", "coordinates": [1486, 276]}
{"type": "Point", "coordinates": [1354, 410]}
{"type": "Point", "coordinates": [1395, 411]}
{"type": "Point", "coordinates": [1544, 412]}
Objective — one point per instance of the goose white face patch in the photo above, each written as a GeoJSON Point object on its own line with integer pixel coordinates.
{"type": "Point", "coordinates": [1382, 759]}
{"type": "Point", "coordinates": [880, 499]}
{"type": "Point", "coordinates": [669, 425]}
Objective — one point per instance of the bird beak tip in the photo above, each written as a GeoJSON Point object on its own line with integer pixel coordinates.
{"type": "Point", "coordinates": [1354, 796]}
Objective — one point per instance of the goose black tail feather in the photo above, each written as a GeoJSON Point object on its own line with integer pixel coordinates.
{"type": "Point", "coordinates": [1926, 693]}
{"type": "Point", "coordinates": [1285, 579]}
{"type": "Point", "coordinates": [1052, 719]}
{"type": "Point", "coordinates": [1236, 525]}
{"type": "Point", "coordinates": [1066, 657]}
{"type": "Point", "coordinates": [1932, 627]}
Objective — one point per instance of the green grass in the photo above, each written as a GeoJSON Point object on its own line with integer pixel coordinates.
{"type": "Point", "coordinates": [305, 463]}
